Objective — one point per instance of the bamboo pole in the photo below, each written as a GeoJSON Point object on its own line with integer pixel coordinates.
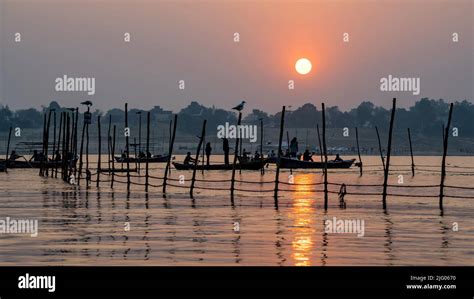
{"type": "Point", "coordinates": [61, 120]}
{"type": "Point", "coordinates": [81, 152]}
{"type": "Point", "coordinates": [54, 141]}
{"type": "Point", "coordinates": [170, 153]}
{"type": "Point", "coordinates": [44, 141]}
{"type": "Point", "coordinates": [443, 162]}
{"type": "Point", "coordinates": [280, 139]}
{"type": "Point", "coordinates": [147, 148]}
{"type": "Point", "coordinates": [113, 160]}
{"type": "Point", "coordinates": [47, 142]}
{"type": "Point", "coordinates": [137, 164]}
{"type": "Point", "coordinates": [76, 125]}
{"type": "Point", "coordinates": [100, 152]}
{"type": "Point", "coordinates": [389, 148]}
{"type": "Point", "coordinates": [7, 158]}
{"type": "Point", "coordinates": [127, 147]}
{"type": "Point", "coordinates": [411, 154]}
{"type": "Point", "coordinates": [201, 139]}
{"type": "Point", "coordinates": [234, 163]}
{"type": "Point", "coordinates": [325, 159]}
{"type": "Point", "coordinates": [87, 152]}
{"type": "Point", "coordinates": [109, 143]}
{"type": "Point", "coordinates": [380, 148]}
{"type": "Point", "coordinates": [262, 171]}
{"type": "Point", "coordinates": [66, 147]}
{"type": "Point", "coordinates": [358, 151]}
{"type": "Point", "coordinates": [319, 141]}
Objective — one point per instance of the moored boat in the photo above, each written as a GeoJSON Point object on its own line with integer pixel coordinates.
{"type": "Point", "coordinates": [295, 164]}
{"type": "Point", "coordinates": [154, 159]}
{"type": "Point", "coordinates": [251, 165]}
{"type": "Point", "coordinates": [33, 164]}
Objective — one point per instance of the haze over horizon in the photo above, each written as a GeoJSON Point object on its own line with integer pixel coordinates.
{"type": "Point", "coordinates": [193, 41]}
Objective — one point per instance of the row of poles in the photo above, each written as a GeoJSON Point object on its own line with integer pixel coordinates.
{"type": "Point", "coordinates": [68, 133]}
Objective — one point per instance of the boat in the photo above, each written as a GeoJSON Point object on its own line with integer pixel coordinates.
{"type": "Point", "coordinates": [295, 164]}
{"type": "Point", "coordinates": [154, 159]}
{"type": "Point", "coordinates": [251, 165]}
{"type": "Point", "coordinates": [3, 167]}
{"type": "Point", "coordinates": [33, 164]}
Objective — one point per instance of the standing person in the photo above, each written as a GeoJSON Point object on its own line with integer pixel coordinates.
{"type": "Point", "coordinates": [208, 152]}
{"type": "Point", "coordinates": [225, 147]}
{"type": "Point", "coordinates": [293, 147]}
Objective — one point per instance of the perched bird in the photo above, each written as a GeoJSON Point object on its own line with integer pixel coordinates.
{"type": "Point", "coordinates": [87, 103]}
{"type": "Point", "coordinates": [240, 106]}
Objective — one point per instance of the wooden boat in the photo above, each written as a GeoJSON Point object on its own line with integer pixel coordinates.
{"type": "Point", "coordinates": [33, 164]}
{"type": "Point", "coordinates": [251, 165]}
{"type": "Point", "coordinates": [3, 167]}
{"type": "Point", "coordinates": [295, 164]}
{"type": "Point", "coordinates": [154, 159]}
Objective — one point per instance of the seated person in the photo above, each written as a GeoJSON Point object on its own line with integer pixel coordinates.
{"type": "Point", "coordinates": [256, 156]}
{"type": "Point", "coordinates": [307, 156]}
{"type": "Point", "coordinates": [148, 154]}
{"type": "Point", "coordinates": [14, 156]}
{"type": "Point", "coordinates": [188, 159]}
{"type": "Point", "coordinates": [57, 156]}
{"type": "Point", "coordinates": [35, 157]}
{"type": "Point", "coordinates": [287, 153]}
{"type": "Point", "coordinates": [338, 159]}
{"type": "Point", "coordinates": [141, 155]}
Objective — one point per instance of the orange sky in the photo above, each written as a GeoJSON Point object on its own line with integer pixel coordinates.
{"type": "Point", "coordinates": [193, 41]}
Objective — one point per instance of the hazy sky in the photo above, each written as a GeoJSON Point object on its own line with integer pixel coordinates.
{"type": "Point", "coordinates": [193, 41]}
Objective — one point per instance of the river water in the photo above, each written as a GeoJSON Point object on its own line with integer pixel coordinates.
{"type": "Point", "coordinates": [104, 226]}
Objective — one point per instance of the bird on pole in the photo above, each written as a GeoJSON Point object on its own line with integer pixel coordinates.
{"type": "Point", "coordinates": [87, 103]}
{"type": "Point", "coordinates": [240, 106]}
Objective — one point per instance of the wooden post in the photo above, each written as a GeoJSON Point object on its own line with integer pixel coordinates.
{"type": "Point", "coordinates": [147, 148]}
{"type": "Point", "coordinates": [44, 142]}
{"type": "Point", "coordinates": [113, 161]}
{"type": "Point", "coordinates": [75, 141]}
{"type": "Point", "coordinates": [79, 175]}
{"type": "Point", "coordinates": [61, 120]}
{"type": "Point", "coordinates": [280, 139]}
{"type": "Point", "coordinates": [47, 142]}
{"type": "Point", "coordinates": [380, 148]}
{"type": "Point", "coordinates": [127, 147]}
{"type": "Point", "coordinates": [170, 153]}
{"type": "Point", "coordinates": [319, 141]}
{"type": "Point", "coordinates": [389, 147]}
{"type": "Point", "coordinates": [443, 162]}
{"type": "Point", "coordinates": [54, 141]}
{"type": "Point", "coordinates": [411, 153]}
{"type": "Point", "coordinates": [358, 151]}
{"type": "Point", "coordinates": [201, 139]}
{"type": "Point", "coordinates": [137, 165]}
{"type": "Point", "coordinates": [234, 163]}
{"type": "Point", "coordinates": [100, 152]}
{"type": "Point", "coordinates": [66, 147]}
{"type": "Point", "coordinates": [262, 171]}
{"type": "Point", "coordinates": [109, 143]}
{"type": "Point", "coordinates": [325, 159]}
{"type": "Point", "coordinates": [87, 152]}
{"type": "Point", "coordinates": [7, 157]}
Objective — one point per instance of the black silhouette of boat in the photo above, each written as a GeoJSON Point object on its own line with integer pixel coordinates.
{"type": "Point", "coordinates": [154, 159]}
{"type": "Point", "coordinates": [296, 164]}
{"type": "Point", "coordinates": [251, 165]}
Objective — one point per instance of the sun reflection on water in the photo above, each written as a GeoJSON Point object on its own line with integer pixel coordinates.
{"type": "Point", "coordinates": [302, 213]}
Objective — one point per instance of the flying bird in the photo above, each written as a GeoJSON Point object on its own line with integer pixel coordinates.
{"type": "Point", "coordinates": [87, 103]}
{"type": "Point", "coordinates": [240, 106]}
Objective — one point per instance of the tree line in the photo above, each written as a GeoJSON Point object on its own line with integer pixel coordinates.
{"type": "Point", "coordinates": [426, 117]}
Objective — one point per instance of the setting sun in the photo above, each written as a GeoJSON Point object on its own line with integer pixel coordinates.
{"type": "Point", "coordinates": [303, 66]}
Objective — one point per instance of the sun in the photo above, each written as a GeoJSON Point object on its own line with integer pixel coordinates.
{"type": "Point", "coordinates": [303, 66]}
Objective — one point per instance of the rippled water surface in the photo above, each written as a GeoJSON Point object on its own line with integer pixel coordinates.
{"type": "Point", "coordinates": [88, 226]}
